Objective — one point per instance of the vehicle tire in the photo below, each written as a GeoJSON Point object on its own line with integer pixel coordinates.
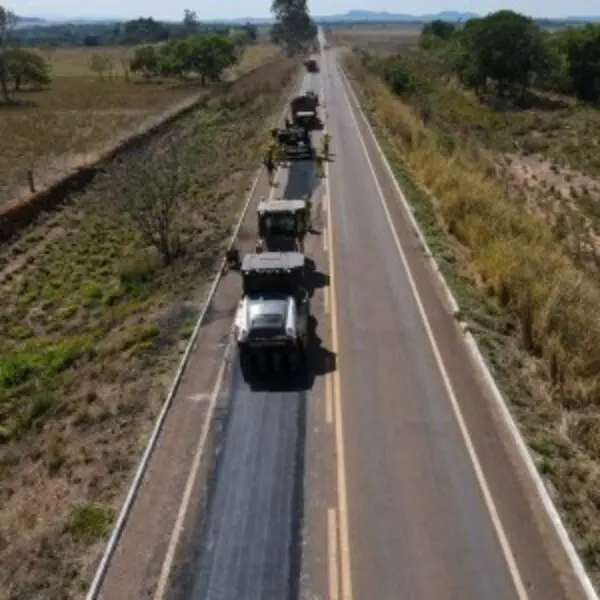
{"type": "Point", "coordinates": [293, 360]}
{"type": "Point", "coordinates": [301, 356]}
{"type": "Point", "coordinates": [245, 363]}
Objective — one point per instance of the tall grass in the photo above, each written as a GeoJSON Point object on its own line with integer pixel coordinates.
{"type": "Point", "coordinates": [513, 252]}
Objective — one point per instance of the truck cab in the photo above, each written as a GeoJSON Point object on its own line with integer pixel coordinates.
{"type": "Point", "coordinates": [271, 322]}
{"type": "Point", "coordinates": [282, 225]}
{"type": "Point", "coordinates": [303, 110]}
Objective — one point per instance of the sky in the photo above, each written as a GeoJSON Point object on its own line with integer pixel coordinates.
{"type": "Point", "coordinates": [173, 9]}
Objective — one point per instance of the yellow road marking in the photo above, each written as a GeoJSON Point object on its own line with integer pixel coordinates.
{"type": "Point", "coordinates": [324, 236]}
{"type": "Point", "coordinates": [163, 580]}
{"type": "Point", "coordinates": [332, 555]}
{"type": "Point", "coordinates": [487, 496]}
{"type": "Point", "coordinates": [339, 429]}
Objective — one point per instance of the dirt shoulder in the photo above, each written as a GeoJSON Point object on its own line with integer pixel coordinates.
{"type": "Point", "coordinates": [92, 328]}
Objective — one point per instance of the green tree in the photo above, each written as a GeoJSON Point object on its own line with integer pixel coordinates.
{"type": "Point", "coordinates": [26, 66]}
{"type": "Point", "coordinates": [7, 25]}
{"type": "Point", "coordinates": [173, 58]}
{"type": "Point", "coordinates": [205, 54]}
{"type": "Point", "coordinates": [251, 32]}
{"type": "Point", "coordinates": [440, 29]}
{"type": "Point", "coordinates": [209, 55]}
{"type": "Point", "coordinates": [506, 47]}
{"type": "Point", "coordinates": [191, 24]}
{"type": "Point", "coordinates": [583, 61]}
{"type": "Point", "coordinates": [143, 31]}
{"type": "Point", "coordinates": [294, 29]}
{"type": "Point", "coordinates": [100, 64]}
{"type": "Point", "coordinates": [145, 60]}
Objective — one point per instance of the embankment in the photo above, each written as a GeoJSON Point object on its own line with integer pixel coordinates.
{"type": "Point", "coordinates": [17, 214]}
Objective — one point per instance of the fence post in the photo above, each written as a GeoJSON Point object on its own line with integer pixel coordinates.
{"type": "Point", "coordinates": [30, 180]}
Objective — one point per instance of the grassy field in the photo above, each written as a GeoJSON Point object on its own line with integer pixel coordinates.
{"type": "Point", "coordinates": [91, 328]}
{"type": "Point", "coordinates": [375, 37]}
{"type": "Point", "coordinates": [56, 128]}
{"type": "Point", "coordinates": [515, 231]}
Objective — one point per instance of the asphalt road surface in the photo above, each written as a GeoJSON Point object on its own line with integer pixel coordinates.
{"type": "Point", "coordinates": [388, 477]}
{"type": "Point", "coordinates": [248, 541]}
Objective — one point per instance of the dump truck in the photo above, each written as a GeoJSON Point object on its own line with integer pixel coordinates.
{"type": "Point", "coordinates": [271, 326]}
{"type": "Point", "coordinates": [303, 109]}
{"type": "Point", "coordinates": [311, 65]}
{"type": "Point", "coordinates": [282, 225]}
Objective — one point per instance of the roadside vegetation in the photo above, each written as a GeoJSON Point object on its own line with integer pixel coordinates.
{"type": "Point", "coordinates": [98, 301]}
{"type": "Point", "coordinates": [61, 105]}
{"type": "Point", "coordinates": [494, 130]}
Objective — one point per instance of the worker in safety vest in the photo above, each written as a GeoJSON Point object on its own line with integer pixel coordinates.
{"type": "Point", "coordinates": [269, 160]}
{"type": "Point", "coordinates": [309, 214]}
{"type": "Point", "coordinates": [319, 160]}
{"type": "Point", "coordinates": [326, 141]}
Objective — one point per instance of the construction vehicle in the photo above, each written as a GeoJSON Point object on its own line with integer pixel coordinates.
{"type": "Point", "coordinates": [303, 109]}
{"type": "Point", "coordinates": [271, 324]}
{"type": "Point", "coordinates": [282, 225]}
{"type": "Point", "coordinates": [311, 65]}
{"type": "Point", "coordinates": [295, 143]}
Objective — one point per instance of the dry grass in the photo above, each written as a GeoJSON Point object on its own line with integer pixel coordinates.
{"type": "Point", "coordinates": [91, 328]}
{"type": "Point", "coordinates": [55, 128]}
{"type": "Point", "coordinates": [533, 310]}
{"type": "Point", "coordinates": [376, 37]}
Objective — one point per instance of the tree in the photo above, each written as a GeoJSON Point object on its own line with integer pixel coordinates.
{"type": "Point", "coordinates": [583, 61]}
{"type": "Point", "coordinates": [191, 24]}
{"type": "Point", "coordinates": [173, 58]}
{"type": "Point", "coordinates": [26, 66]}
{"type": "Point", "coordinates": [206, 54]}
{"type": "Point", "coordinates": [152, 195]}
{"type": "Point", "coordinates": [251, 32]}
{"type": "Point", "coordinates": [440, 29]}
{"type": "Point", "coordinates": [101, 64]}
{"type": "Point", "coordinates": [293, 27]}
{"type": "Point", "coordinates": [506, 47]}
{"type": "Point", "coordinates": [146, 60]}
{"type": "Point", "coordinates": [7, 25]}
{"type": "Point", "coordinates": [143, 31]}
{"type": "Point", "coordinates": [210, 55]}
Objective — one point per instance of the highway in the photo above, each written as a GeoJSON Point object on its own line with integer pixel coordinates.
{"type": "Point", "coordinates": [385, 474]}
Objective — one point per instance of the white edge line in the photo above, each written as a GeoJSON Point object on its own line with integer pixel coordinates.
{"type": "Point", "coordinates": [478, 358]}
{"type": "Point", "coordinates": [111, 545]}
{"type": "Point", "coordinates": [167, 565]}
{"type": "Point", "coordinates": [480, 476]}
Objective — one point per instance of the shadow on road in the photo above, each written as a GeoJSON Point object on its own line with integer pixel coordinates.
{"type": "Point", "coordinates": [320, 362]}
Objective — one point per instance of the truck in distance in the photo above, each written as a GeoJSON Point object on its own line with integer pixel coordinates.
{"type": "Point", "coordinates": [311, 65]}
{"type": "Point", "coordinates": [303, 109]}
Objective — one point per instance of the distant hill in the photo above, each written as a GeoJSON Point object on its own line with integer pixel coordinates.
{"type": "Point", "coordinates": [352, 16]}
{"type": "Point", "coordinates": [362, 16]}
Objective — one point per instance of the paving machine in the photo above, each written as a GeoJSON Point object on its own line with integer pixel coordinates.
{"type": "Point", "coordinates": [295, 142]}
